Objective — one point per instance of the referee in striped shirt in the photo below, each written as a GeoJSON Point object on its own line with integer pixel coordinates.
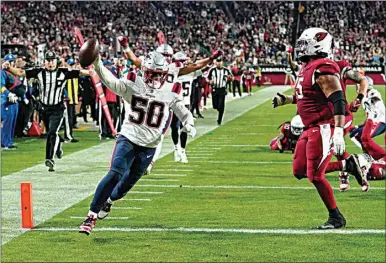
{"type": "Point", "coordinates": [52, 81]}
{"type": "Point", "coordinates": [218, 77]}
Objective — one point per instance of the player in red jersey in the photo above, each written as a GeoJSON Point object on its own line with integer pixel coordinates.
{"type": "Point", "coordinates": [321, 104]}
{"type": "Point", "coordinates": [289, 135]}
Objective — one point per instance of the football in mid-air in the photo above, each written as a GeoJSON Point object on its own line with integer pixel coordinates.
{"type": "Point", "coordinates": [89, 52]}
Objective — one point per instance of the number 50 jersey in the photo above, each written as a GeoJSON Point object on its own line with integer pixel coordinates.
{"type": "Point", "coordinates": [149, 112]}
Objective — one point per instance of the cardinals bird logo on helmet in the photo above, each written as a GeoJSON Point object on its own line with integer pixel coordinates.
{"type": "Point", "coordinates": [313, 43]}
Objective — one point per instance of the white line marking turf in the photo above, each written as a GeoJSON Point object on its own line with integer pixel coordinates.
{"type": "Point", "coordinates": [241, 162]}
{"type": "Point", "coordinates": [228, 230]}
{"type": "Point", "coordinates": [174, 170]}
{"type": "Point", "coordinates": [243, 187]}
{"type": "Point", "coordinates": [160, 180]}
{"type": "Point", "coordinates": [134, 199]}
{"type": "Point", "coordinates": [109, 217]}
{"type": "Point", "coordinates": [65, 190]}
{"type": "Point", "coordinates": [177, 175]}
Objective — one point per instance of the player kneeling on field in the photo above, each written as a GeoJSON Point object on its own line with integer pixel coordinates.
{"type": "Point", "coordinates": [149, 108]}
{"type": "Point", "coordinates": [289, 135]}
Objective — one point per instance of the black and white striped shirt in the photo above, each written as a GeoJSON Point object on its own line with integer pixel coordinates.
{"type": "Point", "coordinates": [219, 76]}
{"type": "Point", "coordinates": [52, 83]}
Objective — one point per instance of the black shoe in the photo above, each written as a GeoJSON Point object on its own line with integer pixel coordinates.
{"type": "Point", "coordinates": [51, 165]}
{"type": "Point", "coordinates": [194, 116]}
{"type": "Point", "coordinates": [43, 136]}
{"type": "Point", "coordinates": [200, 116]}
{"type": "Point", "coordinates": [105, 210]}
{"type": "Point", "coordinates": [358, 165]}
{"type": "Point", "coordinates": [87, 225]}
{"type": "Point", "coordinates": [12, 147]}
{"type": "Point", "coordinates": [59, 152]}
{"type": "Point", "coordinates": [334, 222]}
{"type": "Point", "coordinates": [71, 141]}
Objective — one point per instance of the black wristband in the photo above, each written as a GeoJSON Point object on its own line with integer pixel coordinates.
{"type": "Point", "coordinates": [360, 97]}
{"type": "Point", "coordinates": [339, 102]}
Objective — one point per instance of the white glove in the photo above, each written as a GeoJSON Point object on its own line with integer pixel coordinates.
{"type": "Point", "coordinates": [5, 65]}
{"type": "Point", "coordinates": [26, 101]}
{"type": "Point", "coordinates": [189, 129]}
{"type": "Point", "coordinates": [12, 98]}
{"type": "Point", "coordinates": [338, 141]}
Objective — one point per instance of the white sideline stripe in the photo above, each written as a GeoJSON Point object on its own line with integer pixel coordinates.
{"type": "Point", "coordinates": [126, 208]}
{"type": "Point", "coordinates": [174, 170]}
{"type": "Point", "coordinates": [198, 157]}
{"type": "Point", "coordinates": [242, 162]}
{"type": "Point", "coordinates": [177, 175]}
{"type": "Point", "coordinates": [109, 217]}
{"type": "Point", "coordinates": [227, 230]}
{"type": "Point", "coordinates": [160, 180]}
{"type": "Point", "coordinates": [134, 199]}
{"type": "Point", "coordinates": [53, 186]}
{"type": "Point", "coordinates": [244, 187]}
{"type": "Point", "coordinates": [145, 192]}
{"type": "Point", "coordinates": [200, 154]}
{"type": "Point", "coordinates": [202, 151]}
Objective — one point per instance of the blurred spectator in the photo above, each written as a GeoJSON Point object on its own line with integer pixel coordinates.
{"type": "Point", "coordinates": [262, 30]}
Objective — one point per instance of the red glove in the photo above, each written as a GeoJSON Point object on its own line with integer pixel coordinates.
{"type": "Point", "coordinates": [123, 41]}
{"type": "Point", "coordinates": [355, 105]}
{"type": "Point", "coordinates": [216, 54]}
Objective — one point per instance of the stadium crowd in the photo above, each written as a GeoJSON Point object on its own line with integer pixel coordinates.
{"type": "Point", "coordinates": [264, 32]}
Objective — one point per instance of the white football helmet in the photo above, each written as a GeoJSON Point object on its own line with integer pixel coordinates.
{"type": "Point", "coordinates": [297, 125]}
{"type": "Point", "coordinates": [166, 51]}
{"type": "Point", "coordinates": [181, 57]}
{"type": "Point", "coordinates": [313, 43]}
{"type": "Point", "coordinates": [155, 69]}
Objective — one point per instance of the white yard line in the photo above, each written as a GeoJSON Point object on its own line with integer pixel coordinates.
{"type": "Point", "coordinates": [176, 175]}
{"type": "Point", "coordinates": [244, 187]}
{"type": "Point", "coordinates": [126, 208]}
{"type": "Point", "coordinates": [135, 199]}
{"type": "Point", "coordinates": [160, 180]}
{"type": "Point", "coordinates": [109, 217]}
{"type": "Point", "coordinates": [175, 170]}
{"type": "Point", "coordinates": [243, 162]}
{"type": "Point", "coordinates": [78, 174]}
{"type": "Point", "coordinates": [228, 230]}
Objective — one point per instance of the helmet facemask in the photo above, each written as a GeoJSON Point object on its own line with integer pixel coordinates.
{"type": "Point", "coordinates": [313, 43]}
{"type": "Point", "coordinates": [154, 78]}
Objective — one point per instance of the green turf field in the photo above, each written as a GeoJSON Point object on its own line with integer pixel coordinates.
{"type": "Point", "coordinates": [235, 201]}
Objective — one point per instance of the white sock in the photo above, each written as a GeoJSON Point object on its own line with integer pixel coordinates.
{"type": "Point", "coordinates": [176, 147]}
{"type": "Point", "coordinates": [344, 165]}
{"type": "Point", "coordinates": [93, 214]}
{"type": "Point", "coordinates": [110, 201]}
{"type": "Point", "coordinates": [183, 150]}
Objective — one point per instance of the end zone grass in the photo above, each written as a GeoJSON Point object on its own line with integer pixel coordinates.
{"type": "Point", "coordinates": [233, 182]}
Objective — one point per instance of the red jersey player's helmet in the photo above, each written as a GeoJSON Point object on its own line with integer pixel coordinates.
{"type": "Point", "coordinates": [313, 43]}
{"type": "Point", "coordinates": [297, 125]}
{"type": "Point", "coordinates": [155, 69]}
{"type": "Point", "coordinates": [166, 51]}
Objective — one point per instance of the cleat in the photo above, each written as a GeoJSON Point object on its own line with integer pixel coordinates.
{"type": "Point", "coordinates": [87, 225]}
{"type": "Point", "coordinates": [365, 187]}
{"type": "Point", "coordinates": [344, 183]}
{"type": "Point", "coordinates": [51, 165]}
{"type": "Point", "coordinates": [148, 169]}
{"type": "Point", "coordinates": [177, 155]}
{"type": "Point", "coordinates": [200, 116]}
{"type": "Point", "coordinates": [184, 159]}
{"type": "Point", "coordinates": [105, 211]}
{"type": "Point", "coordinates": [360, 164]}
{"type": "Point", "coordinates": [59, 152]}
{"type": "Point", "coordinates": [333, 223]}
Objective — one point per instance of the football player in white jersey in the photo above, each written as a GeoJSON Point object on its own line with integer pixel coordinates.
{"type": "Point", "coordinates": [176, 70]}
{"type": "Point", "coordinates": [150, 108]}
{"type": "Point", "coordinates": [186, 84]}
{"type": "Point", "coordinates": [372, 105]}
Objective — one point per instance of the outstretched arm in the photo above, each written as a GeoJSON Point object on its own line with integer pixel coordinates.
{"type": "Point", "coordinates": [124, 42]}
{"type": "Point", "coordinates": [184, 115]}
{"type": "Point", "coordinates": [200, 64]}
